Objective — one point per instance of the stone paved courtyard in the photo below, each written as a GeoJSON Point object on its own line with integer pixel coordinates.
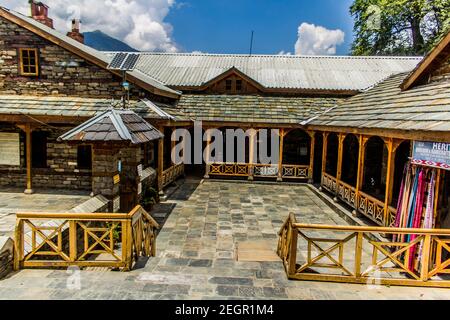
{"type": "Point", "coordinates": [14, 200]}
{"type": "Point", "coordinates": [196, 253]}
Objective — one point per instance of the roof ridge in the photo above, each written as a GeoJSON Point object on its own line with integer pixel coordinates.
{"type": "Point", "coordinates": [275, 55]}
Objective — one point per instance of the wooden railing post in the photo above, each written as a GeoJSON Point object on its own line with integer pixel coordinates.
{"type": "Point", "coordinates": [358, 254]}
{"type": "Point", "coordinates": [73, 240]}
{"type": "Point", "coordinates": [324, 155]}
{"type": "Point", "coordinates": [426, 254]}
{"type": "Point", "coordinates": [18, 245]}
{"type": "Point", "coordinates": [293, 249]}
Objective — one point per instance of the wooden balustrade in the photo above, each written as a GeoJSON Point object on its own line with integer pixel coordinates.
{"type": "Point", "coordinates": [354, 254]}
{"type": "Point", "coordinates": [171, 174]}
{"type": "Point", "coordinates": [258, 170]}
{"type": "Point", "coordinates": [346, 193]}
{"type": "Point", "coordinates": [329, 182]}
{"type": "Point", "coordinates": [112, 240]}
{"type": "Point", "coordinates": [371, 207]}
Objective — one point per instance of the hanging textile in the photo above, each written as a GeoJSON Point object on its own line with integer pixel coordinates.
{"type": "Point", "coordinates": [415, 208]}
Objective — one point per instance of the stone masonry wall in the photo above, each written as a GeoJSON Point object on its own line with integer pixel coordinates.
{"type": "Point", "coordinates": [84, 79]}
{"type": "Point", "coordinates": [61, 171]}
{"type": "Point", "coordinates": [442, 73]}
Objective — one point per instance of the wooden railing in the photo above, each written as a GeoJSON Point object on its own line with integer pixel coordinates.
{"type": "Point", "coordinates": [329, 182]}
{"type": "Point", "coordinates": [346, 193]}
{"type": "Point", "coordinates": [365, 204]}
{"type": "Point", "coordinates": [112, 240]}
{"type": "Point", "coordinates": [353, 254]}
{"type": "Point", "coordinates": [295, 171]}
{"type": "Point", "coordinates": [372, 208]}
{"type": "Point", "coordinates": [171, 174]}
{"type": "Point", "coordinates": [258, 170]}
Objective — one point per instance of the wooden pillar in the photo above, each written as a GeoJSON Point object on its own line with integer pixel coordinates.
{"type": "Point", "coordinates": [280, 156]}
{"type": "Point", "coordinates": [324, 154]}
{"type": "Point", "coordinates": [341, 138]}
{"type": "Point", "coordinates": [251, 156]}
{"type": "Point", "coordinates": [359, 177]}
{"type": "Point", "coordinates": [391, 147]}
{"type": "Point", "coordinates": [28, 143]}
{"type": "Point", "coordinates": [207, 153]}
{"type": "Point", "coordinates": [160, 160]}
{"type": "Point", "coordinates": [312, 134]}
{"type": "Point", "coordinates": [172, 146]}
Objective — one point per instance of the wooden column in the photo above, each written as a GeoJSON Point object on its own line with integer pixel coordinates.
{"type": "Point", "coordinates": [324, 154]}
{"type": "Point", "coordinates": [251, 156]}
{"type": "Point", "coordinates": [359, 177]}
{"type": "Point", "coordinates": [28, 143]}
{"type": "Point", "coordinates": [172, 146]}
{"type": "Point", "coordinates": [312, 134]}
{"type": "Point", "coordinates": [207, 151]}
{"type": "Point", "coordinates": [392, 147]}
{"type": "Point", "coordinates": [341, 138]}
{"type": "Point", "coordinates": [160, 160]}
{"type": "Point", "coordinates": [280, 156]}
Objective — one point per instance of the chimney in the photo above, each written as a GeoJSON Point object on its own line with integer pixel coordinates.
{"type": "Point", "coordinates": [39, 12]}
{"type": "Point", "coordinates": [75, 33]}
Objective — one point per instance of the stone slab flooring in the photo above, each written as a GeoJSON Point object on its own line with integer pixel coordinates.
{"type": "Point", "coordinates": [14, 200]}
{"type": "Point", "coordinates": [196, 253]}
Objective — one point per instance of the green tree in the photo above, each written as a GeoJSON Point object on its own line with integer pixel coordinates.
{"type": "Point", "coordinates": [398, 27]}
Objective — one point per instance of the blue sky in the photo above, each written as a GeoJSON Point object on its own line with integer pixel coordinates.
{"type": "Point", "coordinates": [224, 26]}
{"type": "Point", "coordinates": [215, 26]}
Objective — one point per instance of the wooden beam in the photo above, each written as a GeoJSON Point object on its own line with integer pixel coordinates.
{"type": "Point", "coordinates": [251, 156]}
{"type": "Point", "coordinates": [437, 136]}
{"type": "Point", "coordinates": [360, 175]}
{"type": "Point", "coordinates": [207, 152]}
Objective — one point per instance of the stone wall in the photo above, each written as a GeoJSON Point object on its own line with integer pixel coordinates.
{"type": "Point", "coordinates": [81, 78]}
{"type": "Point", "coordinates": [61, 172]}
{"type": "Point", "coordinates": [442, 73]}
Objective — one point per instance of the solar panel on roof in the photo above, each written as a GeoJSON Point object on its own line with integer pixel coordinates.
{"type": "Point", "coordinates": [130, 61]}
{"type": "Point", "coordinates": [124, 61]}
{"type": "Point", "coordinates": [118, 60]}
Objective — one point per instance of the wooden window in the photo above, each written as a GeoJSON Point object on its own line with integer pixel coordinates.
{"type": "Point", "coordinates": [238, 85]}
{"type": "Point", "coordinates": [28, 62]}
{"type": "Point", "coordinates": [39, 149]}
{"type": "Point", "coordinates": [228, 85]}
{"type": "Point", "coordinates": [84, 157]}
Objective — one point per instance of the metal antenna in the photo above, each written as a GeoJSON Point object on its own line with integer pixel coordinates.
{"type": "Point", "coordinates": [251, 43]}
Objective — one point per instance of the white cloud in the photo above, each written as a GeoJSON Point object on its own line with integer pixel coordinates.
{"type": "Point", "coordinates": [140, 23]}
{"type": "Point", "coordinates": [317, 40]}
{"type": "Point", "coordinates": [284, 53]}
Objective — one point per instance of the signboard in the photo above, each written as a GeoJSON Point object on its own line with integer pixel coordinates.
{"type": "Point", "coordinates": [9, 149]}
{"type": "Point", "coordinates": [432, 154]}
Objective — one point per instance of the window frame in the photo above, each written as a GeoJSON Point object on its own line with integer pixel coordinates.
{"type": "Point", "coordinates": [21, 64]}
{"type": "Point", "coordinates": [91, 156]}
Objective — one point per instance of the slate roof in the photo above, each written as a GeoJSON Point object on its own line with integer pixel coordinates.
{"type": "Point", "coordinates": [245, 108]}
{"type": "Point", "coordinates": [74, 107]}
{"type": "Point", "coordinates": [146, 78]}
{"type": "Point", "coordinates": [275, 71]}
{"type": "Point", "coordinates": [425, 107]}
{"type": "Point", "coordinates": [114, 125]}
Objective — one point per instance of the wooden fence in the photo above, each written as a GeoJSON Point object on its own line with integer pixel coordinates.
{"type": "Point", "coordinates": [354, 254]}
{"type": "Point", "coordinates": [113, 240]}
{"type": "Point", "coordinates": [171, 174]}
{"type": "Point", "coordinates": [258, 170]}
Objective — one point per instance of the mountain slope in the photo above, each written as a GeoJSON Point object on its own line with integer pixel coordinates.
{"type": "Point", "coordinates": [103, 42]}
